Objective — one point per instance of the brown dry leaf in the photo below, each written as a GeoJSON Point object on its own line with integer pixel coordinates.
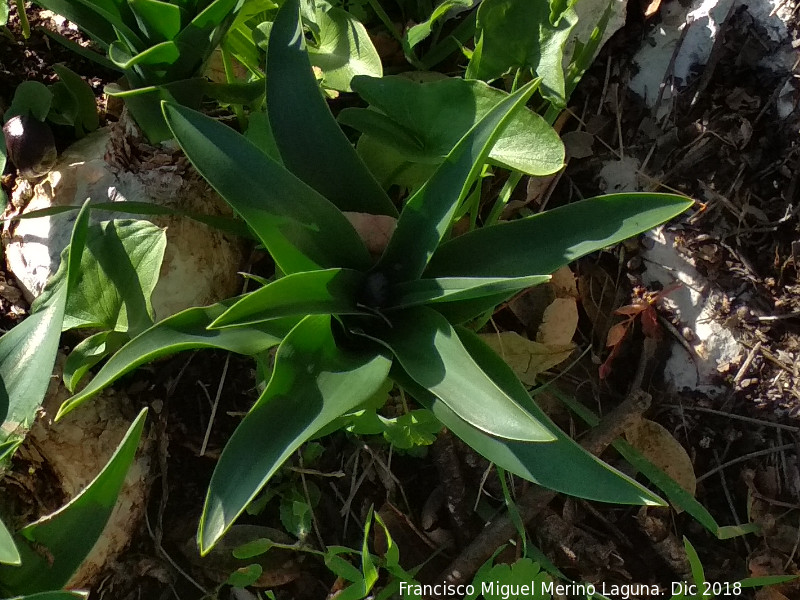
{"type": "Point", "coordinates": [527, 358]}
{"type": "Point", "coordinates": [374, 230]}
{"type": "Point", "coordinates": [578, 144]}
{"type": "Point", "coordinates": [560, 318]}
{"type": "Point", "coordinates": [651, 8]}
{"type": "Point", "coordinates": [564, 283]}
{"type": "Point", "coordinates": [559, 322]}
{"type": "Point", "coordinates": [664, 451]}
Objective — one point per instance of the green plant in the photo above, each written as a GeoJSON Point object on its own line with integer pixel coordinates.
{"type": "Point", "coordinates": [345, 324]}
{"type": "Point", "coordinates": [160, 47]}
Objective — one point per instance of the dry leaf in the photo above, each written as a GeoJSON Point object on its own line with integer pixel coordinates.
{"type": "Point", "coordinates": [559, 322]}
{"type": "Point", "coordinates": [564, 283]}
{"type": "Point", "coordinates": [578, 144]}
{"type": "Point", "coordinates": [660, 448]}
{"type": "Point", "coordinates": [374, 230]}
{"type": "Point", "coordinates": [526, 358]}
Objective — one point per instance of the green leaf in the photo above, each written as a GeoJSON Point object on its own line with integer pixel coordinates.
{"type": "Point", "coordinates": [331, 291]}
{"type": "Point", "coordinates": [561, 465]}
{"type": "Point", "coordinates": [86, 117]}
{"type": "Point", "coordinates": [313, 383]}
{"type": "Point", "coordinates": [429, 350]}
{"type": "Point", "coordinates": [87, 15]}
{"type": "Point", "coordinates": [424, 121]}
{"type": "Point", "coordinates": [245, 576]}
{"type": "Point", "coordinates": [427, 214]}
{"type": "Point", "coordinates": [159, 21]}
{"type": "Point", "coordinates": [344, 49]}
{"type": "Point", "coordinates": [88, 353]}
{"type": "Point", "coordinates": [751, 582]}
{"type": "Point", "coordinates": [547, 241]}
{"type": "Point", "coordinates": [186, 330]}
{"type": "Point", "coordinates": [62, 540]}
{"type": "Point", "coordinates": [524, 572]}
{"type": "Point", "coordinates": [421, 31]}
{"type": "Point", "coordinates": [28, 351]}
{"type": "Point", "coordinates": [518, 34]}
{"type": "Point", "coordinates": [298, 114]}
{"type": "Point", "coordinates": [119, 271]}
{"type": "Point", "coordinates": [300, 228]}
{"type": "Point", "coordinates": [30, 98]}
{"type": "Point", "coordinates": [200, 37]}
{"type": "Point", "coordinates": [9, 554]}
{"type": "Point", "coordinates": [455, 289]}
{"type": "Point", "coordinates": [160, 54]}
{"type": "Point", "coordinates": [698, 575]}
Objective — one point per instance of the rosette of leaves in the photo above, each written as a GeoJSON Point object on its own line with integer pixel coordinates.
{"type": "Point", "coordinates": [344, 323]}
{"type": "Point", "coordinates": [160, 47]}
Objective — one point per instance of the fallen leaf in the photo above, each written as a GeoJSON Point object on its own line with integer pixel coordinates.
{"type": "Point", "coordinates": [769, 593]}
{"type": "Point", "coordinates": [663, 450]}
{"type": "Point", "coordinates": [374, 230]}
{"type": "Point", "coordinates": [527, 358]}
{"type": "Point", "coordinates": [559, 322]}
{"type": "Point", "coordinates": [578, 144]}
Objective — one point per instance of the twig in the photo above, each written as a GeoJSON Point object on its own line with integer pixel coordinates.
{"type": "Point", "coordinates": [734, 416]}
{"type": "Point", "coordinates": [743, 459]}
{"type": "Point", "coordinates": [669, 74]}
{"type": "Point", "coordinates": [215, 405]}
{"type": "Point", "coordinates": [746, 364]}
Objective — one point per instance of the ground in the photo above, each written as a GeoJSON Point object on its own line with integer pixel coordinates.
{"type": "Point", "coordinates": [725, 143]}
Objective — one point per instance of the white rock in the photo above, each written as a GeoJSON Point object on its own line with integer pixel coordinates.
{"type": "Point", "coordinates": [693, 304]}
{"type": "Point", "coordinates": [200, 264]}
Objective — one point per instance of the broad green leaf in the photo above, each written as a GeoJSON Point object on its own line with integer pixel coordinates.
{"type": "Point", "coordinates": [30, 98]}
{"type": "Point", "coordinates": [4, 12]}
{"type": "Point", "coordinates": [28, 351]}
{"type": "Point", "coordinates": [424, 121]}
{"type": "Point", "coordinates": [119, 270]}
{"type": "Point", "coordinates": [561, 465]}
{"type": "Point", "coordinates": [86, 15]}
{"type": "Point", "coordinates": [298, 114]}
{"type": "Point", "coordinates": [59, 542]}
{"type": "Point", "coordinates": [302, 230]}
{"type": "Point", "coordinates": [455, 289]}
{"type": "Point", "coordinates": [429, 350]}
{"type": "Point", "coordinates": [519, 34]}
{"type": "Point", "coordinates": [332, 291]}
{"type": "Point", "coordinates": [427, 214]}
{"type": "Point", "coordinates": [200, 37]}
{"type": "Point", "coordinates": [344, 49]}
{"type": "Point", "coordinates": [159, 21]}
{"type": "Point", "coordinates": [313, 383]}
{"type": "Point", "coordinates": [9, 554]}
{"type": "Point", "coordinates": [186, 330]}
{"type": "Point", "coordinates": [544, 242]}
{"type": "Point", "coordinates": [159, 54]}
{"type": "Point", "coordinates": [86, 117]}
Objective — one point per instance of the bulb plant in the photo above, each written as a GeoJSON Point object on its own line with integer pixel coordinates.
{"type": "Point", "coordinates": [160, 47]}
{"type": "Point", "coordinates": [343, 323]}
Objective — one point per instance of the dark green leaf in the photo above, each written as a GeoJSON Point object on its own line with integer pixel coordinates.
{"type": "Point", "coordinates": [30, 98]}
{"type": "Point", "coordinates": [186, 330]}
{"type": "Point", "coordinates": [61, 541]}
{"type": "Point", "coordinates": [546, 241]}
{"type": "Point", "coordinates": [245, 576]}
{"type": "Point", "coordinates": [455, 289]}
{"type": "Point", "coordinates": [313, 383]}
{"type": "Point", "coordinates": [561, 465]}
{"type": "Point", "coordinates": [298, 115]}
{"type": "Point", "coordinates": [160, 21]}
{"type": "Point", "coordinates": [300, 228]}
{"type": "Point", "coordinates": [86, 118]}
{"type": "Point", "coordinates": [332, 291]}
{"type": "Point", "coordinates": [429, 350]}
{"type": "Point", "coordinates": [427, 215]}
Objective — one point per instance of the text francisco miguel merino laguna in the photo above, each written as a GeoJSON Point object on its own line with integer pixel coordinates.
{"type": "Point", "coordinates": [509, 591]}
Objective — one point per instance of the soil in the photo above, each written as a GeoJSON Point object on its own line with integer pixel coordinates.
{"type": "Point", "coordinates": [722, 143]}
